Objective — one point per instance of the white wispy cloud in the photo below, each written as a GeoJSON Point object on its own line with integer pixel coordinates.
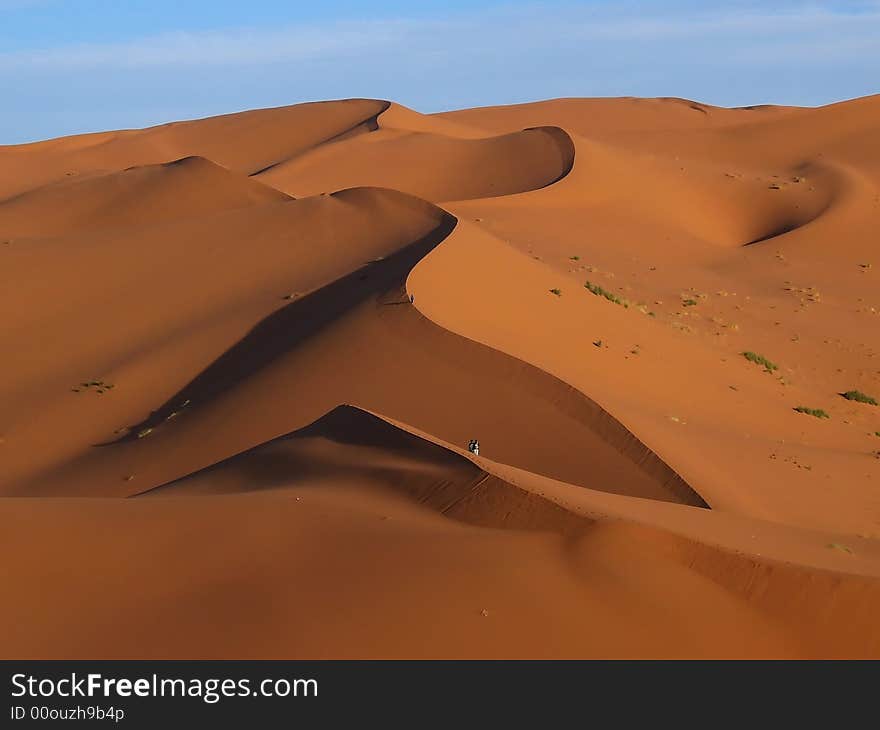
{"type": "Point", "coordinates": [239, 46]}
{"type": "Point", "coordinates": [727, 52]}
{"type": "Point", "coordinates": [501, 31]}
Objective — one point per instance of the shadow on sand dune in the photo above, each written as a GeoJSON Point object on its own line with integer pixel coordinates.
{"type": "Point", "coordinates": [351, 447]}
{"type": "Point", "coordinates": [296, 322]}
{"type": "Point", "coordinates": [460, 369]}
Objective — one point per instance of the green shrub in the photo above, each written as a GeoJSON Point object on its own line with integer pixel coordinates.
{"type": "Point", "coordinates": [859, 397]}
{"type": "Point", "coordinates": [557, 292]}
{"type": "Point", "coordinates": [760, 360]}
{"type": "Point", "coordinates": [610, 296]}
{"type": "Point", "coordinates": [815, 412]}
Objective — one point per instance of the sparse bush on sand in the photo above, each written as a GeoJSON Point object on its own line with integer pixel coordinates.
{"type": "Point", "coordinates": [99, 385]}
{"type": "Point", "coordinates": [815, 412]}
{"type": "Point", "coordinates": [859, 397]}
{"type": "Point", "coordinates": [557, 292]}
{"type": "Point", "coordinates": [610, 296]}
{"type": "Point", "coordinates": [754, 357]}
{"type": "Point", "coordinates": [839, 546]}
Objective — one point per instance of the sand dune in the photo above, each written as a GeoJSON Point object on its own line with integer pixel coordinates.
{"type": "Point", "coordinates": [296, 363]}
{"type": "Point", "coordinates": [352, 447]}
{"type": "Point", "coordinates": [360, 488]}
{"type": "Point", "coordinates": [138, 196]}
{"type": "Point", "coordinates": [262, 138]}
{"type": "Point", "coordinates": [625, 116]}
{"type": "Point", "coordinates": [408, 155]}
{"type": "Point", "coordinates": [326, 575]}
{"type": "Point", "coordinates": [244, 356]}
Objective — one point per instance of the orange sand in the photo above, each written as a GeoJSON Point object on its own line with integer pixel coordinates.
{"type": "Point", "coordinates": [227, 432]}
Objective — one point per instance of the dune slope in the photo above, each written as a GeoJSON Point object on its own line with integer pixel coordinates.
{"type": "Point", "coordinates": [244, 355]}
{"type": "Point", "coordinates": [430, 164]}
{"type": "Point", "coordinates": [354, 491]}
{"type": "Point", "coordinates": [138, 196]}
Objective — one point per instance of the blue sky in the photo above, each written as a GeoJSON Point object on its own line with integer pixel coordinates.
{"type": "Point", "coordinates": [69, 66]}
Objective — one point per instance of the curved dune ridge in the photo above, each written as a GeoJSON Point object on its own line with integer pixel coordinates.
{"type": "Point", "coordinates": [366, 309]}
{"type": "Point", "coordinates": [728, 209]}
{"type": "Point", "coordinates": [722, 166]}
{"type": "Point", "coordinates": [430, 164]}
{"type": "Point", "coordinates": [263, 138]}
{"type": "Point", "coordinates": [351, 449]}
{"type": "Point", "coordinates": [278, 330]}
{"type": "Point", "coordinates": [351, 446]}
{"type": "Point", "coordinates": [137, 196]}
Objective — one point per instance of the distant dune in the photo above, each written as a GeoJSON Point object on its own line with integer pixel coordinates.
{"type": "Point", "coordinates": [244, 357]}
{"type": "Point", "coordinates": [138, 196]}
